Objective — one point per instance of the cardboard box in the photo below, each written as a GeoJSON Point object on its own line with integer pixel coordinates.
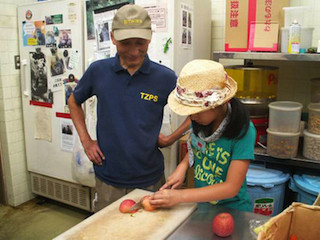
{"type": "Point", "coordinates": [266, 17]}
{"type": "Point", "coordinates": [264, 40]}
{"type": "Point", "coordinates": [236, 27]}
{"type": "Point", "coordinates": [298, 221]}
{"type": "Point", "coordinates": [253, 24]}
{"type": "Point", "coordinates": [183, 150]}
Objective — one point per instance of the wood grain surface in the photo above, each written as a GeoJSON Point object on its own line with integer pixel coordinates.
{"type": "Point", "coordinates": [110, 223]}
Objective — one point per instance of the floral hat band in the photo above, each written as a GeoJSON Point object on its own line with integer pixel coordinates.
{"type": "Point", "coordinates": [202, 85]}
{"type": "Point", "coordinates": [204, 99]}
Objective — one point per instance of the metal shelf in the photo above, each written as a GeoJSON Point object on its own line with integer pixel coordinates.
{"type": "Point", "coordinates": [310, 57]}
{"type": "Point", "coordinates": [298, 163]}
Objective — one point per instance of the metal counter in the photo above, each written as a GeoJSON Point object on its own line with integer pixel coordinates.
{"type": "Point", "coordinates": [198, 225]}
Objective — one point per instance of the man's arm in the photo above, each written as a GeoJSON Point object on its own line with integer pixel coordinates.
{"type": "Point", "coordinates": [90, 146]}
{"type": "Point", "coordinates": [164, 141]}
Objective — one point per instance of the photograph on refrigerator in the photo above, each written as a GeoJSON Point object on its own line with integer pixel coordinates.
{"type": "Point", "coordinates": [33, 33]}
{"type": "Point", "coordinates": [67, 134]}
{"type": "Point", "coordinates": [69, 85]}
{"type": "Point", "coordinates": [54, 19]}
{"type": "Point", "coordinates": [65, 40]}
{"type": "Point", "coordinates": [56, 62]}
{"type": "Point", "coordinates": [39, 77]}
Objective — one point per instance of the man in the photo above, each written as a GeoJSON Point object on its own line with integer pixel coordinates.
{"type": "Point", "coordinates": [132, 92]}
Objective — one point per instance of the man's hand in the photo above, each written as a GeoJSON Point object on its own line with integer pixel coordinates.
{"type": "Point", "coordinates": [93, 151]}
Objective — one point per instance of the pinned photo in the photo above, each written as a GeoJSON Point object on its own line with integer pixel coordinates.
{"type": "Point", "coordinates": [65, 40]}
{"type": "Point", "coordinates": [56, 63]}
{"type": "Point", "coordinates": [50, 39]}
{"type": "Point", "coordinates": [39, 78]}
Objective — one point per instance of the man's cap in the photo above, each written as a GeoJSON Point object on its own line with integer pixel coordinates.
{"type": "Point", "coordinates": [131, 21]}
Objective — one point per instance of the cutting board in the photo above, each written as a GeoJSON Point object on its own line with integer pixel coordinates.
{"type": "Point", "coordinates": [110, 223]}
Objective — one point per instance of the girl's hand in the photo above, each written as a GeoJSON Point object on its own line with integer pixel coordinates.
{"type": "Point", "coordinates": [175, 180]}
{"type": "Point", "coordinates": [165, 198]}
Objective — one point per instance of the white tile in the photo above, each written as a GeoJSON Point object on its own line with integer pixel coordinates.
{"type": "Point", "coordinates": [9, 33]}
{"type": "Point", "coordinates": [16, 91]}
{"type": "Point", "coordinates": [217, 32]}
{"type": "Point", "coordinates": [4, 58]}
{"type": "Point", "coordinates": [7, 93]}
{"type": "Point", "coordinates": [8, 9]}
{"type": "Point", "coordinates": [8, 21]}
{"type": "Point", "coordinates": [218, 45]}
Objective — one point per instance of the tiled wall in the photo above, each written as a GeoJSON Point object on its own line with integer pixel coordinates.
{"type": "Point", "coordinates": [294, 77]}
{"type": "Point", "coordinates": [293, 85]}
{"type": "Point", "coordinates": [17, 180]}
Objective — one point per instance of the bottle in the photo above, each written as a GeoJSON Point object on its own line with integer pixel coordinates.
{"type": "Point", "coordinates": [294, 37]}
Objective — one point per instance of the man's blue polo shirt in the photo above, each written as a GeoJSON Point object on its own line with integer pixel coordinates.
{"type": "Point", "coordinates": [129, 113]}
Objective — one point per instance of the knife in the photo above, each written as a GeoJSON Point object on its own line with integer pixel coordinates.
{"type": "Point", "coordinates": [136, 206]}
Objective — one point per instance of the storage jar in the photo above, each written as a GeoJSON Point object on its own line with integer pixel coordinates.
{"type": "Point", "coordinates": [285, 116]}
{"type": "Point", "coordinates": [282, 144]}
{"type": "Point", "coordinates": [314, 118]}
{"type": "Point", "coordinates": [311, 145]}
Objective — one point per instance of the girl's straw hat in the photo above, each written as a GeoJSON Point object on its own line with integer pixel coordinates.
{"type": "Point", "coordinates": [202, 85]}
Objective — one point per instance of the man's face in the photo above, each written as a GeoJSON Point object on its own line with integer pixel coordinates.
{"type": "Point", "coordinates": [131, 51]}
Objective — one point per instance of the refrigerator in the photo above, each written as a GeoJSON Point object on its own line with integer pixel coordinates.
{"type": "Point", "coordinates": [58, 40]}
{"type": "Point", "coordinates": [52, 62]}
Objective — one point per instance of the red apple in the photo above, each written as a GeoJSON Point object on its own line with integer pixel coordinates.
{"type": "Point", "coordinates": [145, 202]}
{"type": "Point", "coordinates": [125, 206]}
{"type": "Point", "coordinates": [223, 224]}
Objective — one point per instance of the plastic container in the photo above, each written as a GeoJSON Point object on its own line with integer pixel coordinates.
{"type": "Point", "coordinates": [282, 145]}
{"type": "Point", "coordinates": [266, 188]}
{"type": "Point", "coordinates": [311, 145]}
{"type": "Point", "coordinates": [301, 14]}
{"type": "Point", "coordinates": [306, 38]}
{"type": "Point", "coordinates": [307, 187]}
{"type": "Point", "coordinates": [255, 82]}
{"type": "Point", "coordinates": [285, 116]}
{"type": "Point", "coordinates": [314, 118]}
{"type": "Point", "coordinates": [315, 90]}
{"type": "Point", "coordinates": [261, 125]}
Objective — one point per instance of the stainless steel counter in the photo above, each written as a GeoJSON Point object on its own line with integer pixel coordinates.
{"type": "Point", "coordinates": [198, 225]}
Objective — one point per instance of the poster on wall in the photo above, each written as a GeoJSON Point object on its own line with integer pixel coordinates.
{"type": "Point", "coordinates": [186, 27]}
{"type": "Point", "coordinates": [33, 33]}
{"type": "Point", "coordinates": [158, 15]}
{"type": "Point", "coordinates": [39, 77]}
{"type": "Point", "coordinates": [92, 5]}
{"type": "Point", "coordinates": [103, 25]}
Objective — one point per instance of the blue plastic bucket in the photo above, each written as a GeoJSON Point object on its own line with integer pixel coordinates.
{"type": "Point", "coordinates": [307, 187]}
{"type": "Point", "coordinates": [266, 188]}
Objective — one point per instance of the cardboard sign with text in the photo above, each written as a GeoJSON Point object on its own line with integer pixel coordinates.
{"type": "Point", "coordinates": [240, 17]}
{"type": "Point", "coordinates": [265, 22]}
{"type": "Point", "coordinates": [237, 31]}
{"type": "Point", "coordinates": [263, 39]}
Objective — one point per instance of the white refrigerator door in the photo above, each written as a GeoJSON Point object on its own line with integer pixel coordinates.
{"type": "Point", "coordinates": [50, 35]}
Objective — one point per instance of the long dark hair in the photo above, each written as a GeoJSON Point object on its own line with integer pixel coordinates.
{"type": "Point", "coordinates": [237, 126]}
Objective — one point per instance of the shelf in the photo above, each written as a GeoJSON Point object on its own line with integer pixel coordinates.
{"type": "Point", "coordinates": [311, 57]}
{"type": "Point", "coordinates": [298, 163]}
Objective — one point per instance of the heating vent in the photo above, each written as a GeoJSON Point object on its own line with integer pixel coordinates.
{"type": "Point", "coordinates": [66, 192]}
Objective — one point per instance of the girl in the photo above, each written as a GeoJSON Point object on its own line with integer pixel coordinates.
{"type": "Point", "coordinates": [221, 143]}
